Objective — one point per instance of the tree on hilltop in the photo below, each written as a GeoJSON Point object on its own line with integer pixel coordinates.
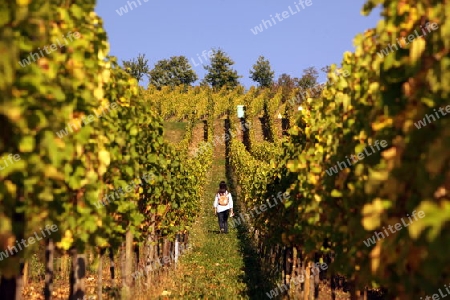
{"type": "Point", "coordinates": [172, 72]}
{"type": "Point", "coordinates": [287, 83]}
{"type": "Point", "coordinates": [137, 68]}
{"type": "Point", "coordinates": [308, 79]}
{"type": "Point", "coordinates": [220, 72]}
{"type": "Point", "coordinates": [262, 72]}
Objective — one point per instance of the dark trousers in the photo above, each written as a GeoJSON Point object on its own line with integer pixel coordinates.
{"type": "Point", "coordinates": [223, 220]}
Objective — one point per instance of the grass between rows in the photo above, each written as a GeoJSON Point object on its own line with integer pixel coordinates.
{"type": "Point", "coordinates": [215, 268]}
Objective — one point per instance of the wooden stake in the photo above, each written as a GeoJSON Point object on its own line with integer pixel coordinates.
{"type": "Point", "coordinates": [49, 274]}
{"type": "Point", "coordinates": [77, 276]}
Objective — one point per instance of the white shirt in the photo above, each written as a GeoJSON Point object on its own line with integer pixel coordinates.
{"type": "Point", "coordinates": [221, 208]}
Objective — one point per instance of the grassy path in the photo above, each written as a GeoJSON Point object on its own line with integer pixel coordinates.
{"type": "Point", "coordinates": [173, 131]}
{"type": "Point", "coordinates": [215, 268]}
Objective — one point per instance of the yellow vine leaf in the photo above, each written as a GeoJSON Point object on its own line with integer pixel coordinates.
{"type": "Point", "coordinates": [375, 255]}
{"type": "Point", "coordinates": [23, 2]}
{"type": "Point", "coordinates": [372, 213]}
{"type": "Point", "coordinates": [417, 47]}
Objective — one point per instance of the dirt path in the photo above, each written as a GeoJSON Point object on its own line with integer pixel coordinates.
{"type": "Point", "coordinates": [197, 137]}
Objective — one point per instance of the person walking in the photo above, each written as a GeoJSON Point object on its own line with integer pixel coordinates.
{"type": "Point", "coordinates": [223, 206]}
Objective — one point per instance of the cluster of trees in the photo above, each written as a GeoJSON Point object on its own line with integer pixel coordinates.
{"type": "Point", "coordinates": [177, 71]}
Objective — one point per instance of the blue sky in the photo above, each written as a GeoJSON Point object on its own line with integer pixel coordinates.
{"type": "Point", "coordinates": [314, 35]}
